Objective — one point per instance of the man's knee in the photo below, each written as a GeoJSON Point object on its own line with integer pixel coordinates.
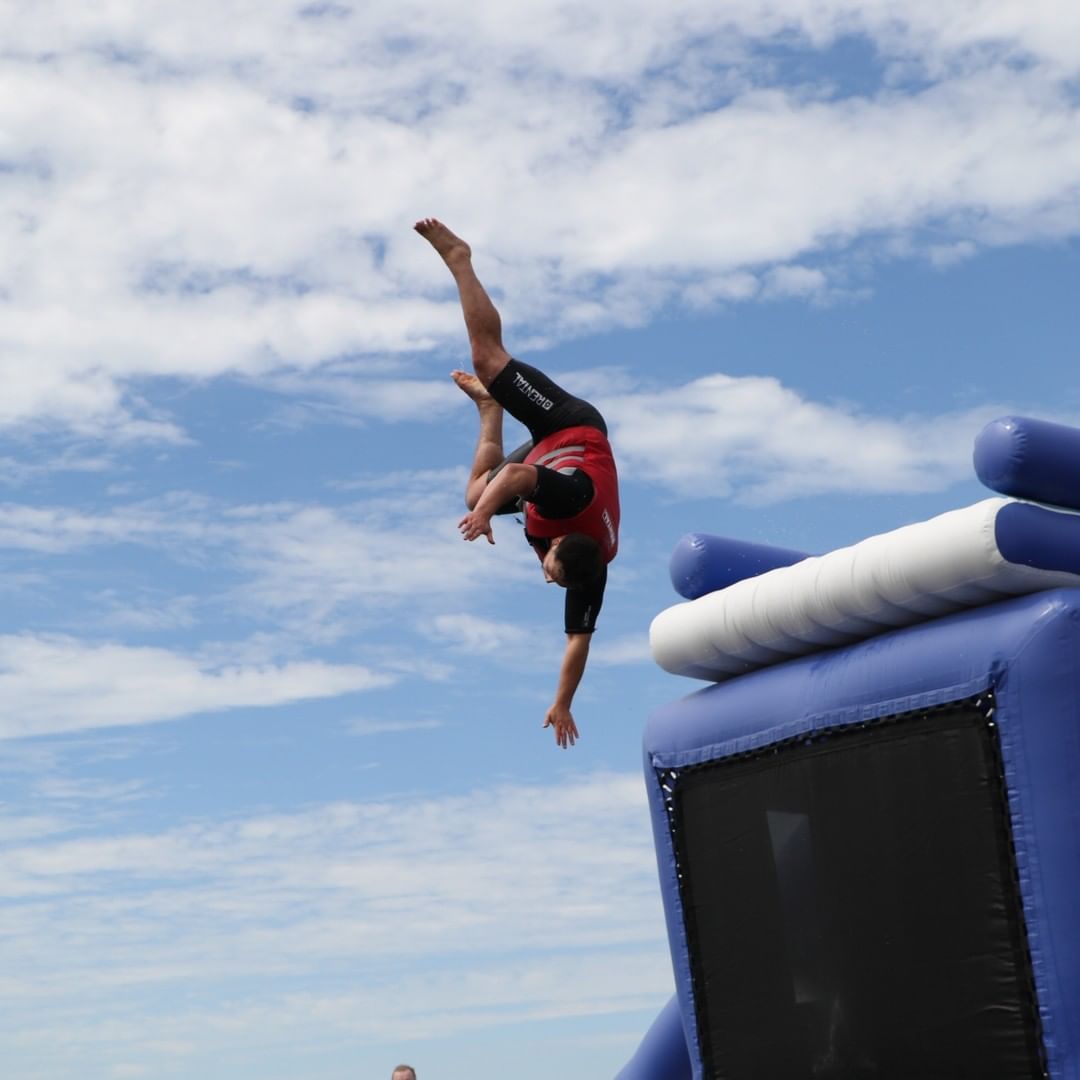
{"type": "Point", "coordinates": [488, 360]}
{"type": "Point", "coordinates": [473, 493]}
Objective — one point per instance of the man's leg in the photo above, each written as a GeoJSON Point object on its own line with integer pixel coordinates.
{"type": "Point", "coordinates": [482, 320]}
{"type": "Point", "coordinates": [515, 457]}
{"type": "Point", "coordinates": [489, 445]}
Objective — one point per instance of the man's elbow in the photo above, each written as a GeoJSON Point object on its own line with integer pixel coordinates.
{"type": "Point", "coordinates": [521, 479]}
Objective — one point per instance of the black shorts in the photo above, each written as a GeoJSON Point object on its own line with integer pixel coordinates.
{"type": "Point", "coordinates": [543, 406]}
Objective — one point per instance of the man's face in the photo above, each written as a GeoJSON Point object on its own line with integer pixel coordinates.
{"type": "Point", "coordinates": [404, 1074]}
{"type": "Point", "coordinates": [552, 567]}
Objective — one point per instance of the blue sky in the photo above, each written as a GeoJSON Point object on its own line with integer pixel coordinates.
{"type": "Point", "coordinates": [274, 796]}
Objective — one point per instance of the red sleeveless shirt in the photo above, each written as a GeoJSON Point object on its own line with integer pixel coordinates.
{"type": "Point", "coordinates": [587, 449]}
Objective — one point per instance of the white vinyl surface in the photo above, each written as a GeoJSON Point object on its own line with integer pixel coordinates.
{"type": "Point", "coordinates": [912, 574]}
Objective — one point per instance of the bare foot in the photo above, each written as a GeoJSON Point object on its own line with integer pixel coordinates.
{"type": "Point", "coordinates": [450, 246]}
{"type": "Point", "coordinates": [473, 388]}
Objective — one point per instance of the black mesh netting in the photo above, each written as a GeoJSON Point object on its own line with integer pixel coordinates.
{"type": "Point", "coordinates": [852, 909]}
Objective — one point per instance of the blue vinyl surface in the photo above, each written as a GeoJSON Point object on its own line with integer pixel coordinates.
{"type": "Point", "coordinates": [662, 1054]}
{"type": "Point", "coordinates": [1039, 537]}
{"type": "Point", "coordinates": [1030, 459]}
{"type": "Point", "coordinates": [702, 563]}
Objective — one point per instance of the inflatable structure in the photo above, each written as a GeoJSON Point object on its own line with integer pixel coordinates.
{"type": "Point", "coordinates": [868, 827]}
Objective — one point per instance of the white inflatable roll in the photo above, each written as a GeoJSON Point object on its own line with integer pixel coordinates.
{"type": "Point", "coordinates": [915, 573]}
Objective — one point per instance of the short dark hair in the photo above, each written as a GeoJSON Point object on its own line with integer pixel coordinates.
{"type": "Point", "coordinates": [403, 1068]}
{"type": "Point", "coordinates": [580, 558]}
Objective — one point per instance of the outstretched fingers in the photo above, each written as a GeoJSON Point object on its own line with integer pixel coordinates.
{"type": "Point", "coordinates": [562, 720]}
{"type": "Point", "coordinates": [474, 525]}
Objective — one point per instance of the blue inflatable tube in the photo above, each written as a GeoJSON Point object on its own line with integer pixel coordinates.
{"type": "Point", "coordinates": [662, 1054]}
{"type": "Point", "coordinates": [1030, 459]}
{"type": "Point", "coordinates": [702, 563]}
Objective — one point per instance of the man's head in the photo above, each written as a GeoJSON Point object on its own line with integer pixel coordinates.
{"type": "Point", "coordinates": [403, 1072]}
{"type": "Point", "coordinates": [573, 561]}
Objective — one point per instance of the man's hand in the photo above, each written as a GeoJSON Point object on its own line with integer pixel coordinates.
{"type": "Point", "coordinates": [560, 718]}
{"type": "Point", "coordinates": [573, 666]}
{"type": "Point", "coordinates": [474, 524]}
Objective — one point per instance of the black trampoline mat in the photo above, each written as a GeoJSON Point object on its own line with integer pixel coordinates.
{"type": "Point", "coordinates": [852, 909]}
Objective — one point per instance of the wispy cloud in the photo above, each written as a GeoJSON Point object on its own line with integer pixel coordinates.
{"type": "Point", "coordinates": [15, 471]}
{"type": "Point", "coordinates": [59, 529]}
{"type": "Point", "coordinates": [57, 684]}
{"type": "Point", "coordinates": [630, 649]}
{"type": "Point", "coordinates": [369, 726]}
{"type": "Point", "coordinates": [359, 396]}
{"type": "Point", "coordinates": [473, 634]}
{"type": "Point", "coordinates": [315, 565]}
{"type": "Point", "coordinates": [247, 909]}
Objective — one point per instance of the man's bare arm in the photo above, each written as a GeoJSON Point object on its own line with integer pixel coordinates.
{"type": "Point", "coordinates": [514, 480]}
{"type": "Point", "coordinates": [573, 667]}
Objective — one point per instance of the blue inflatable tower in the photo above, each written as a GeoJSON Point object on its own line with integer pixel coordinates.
{"type": "Point", "coordinates": [868, 826]}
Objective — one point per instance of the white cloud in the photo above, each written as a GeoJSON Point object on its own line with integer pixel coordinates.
{"type": "Point", "coordinates": [196, 191]}
{"type": "Point", "coordinates": [52, 684]}
{"type": "Point", "coordinates": [615, 44]}
{"type": "Point", "coordinates": [762, 442]}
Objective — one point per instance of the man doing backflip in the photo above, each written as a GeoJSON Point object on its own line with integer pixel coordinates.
{"type": "Point", "coordinates": [567, 482]}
